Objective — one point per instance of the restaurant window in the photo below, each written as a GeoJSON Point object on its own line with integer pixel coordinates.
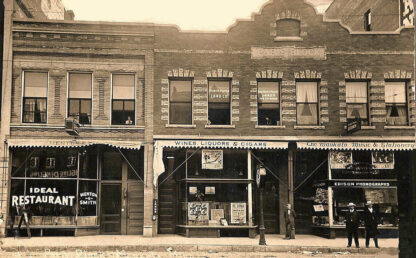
{"type": "Point", "coordinates": [123, 102]}
{"type": "Point", "coordinates": [268, 103]}
{"type": "Point", "coordinates": [357, 101]}
{"type": "Point", "coordinates": [288, 28]}
{"type": "Point", "coordinates": [367, 20]}
{"type": "Point", "coordinates": [34, 97]}
{"type": "Point", "coordinates": [80, 97]}
{"type": "Point", "coordinates": [307, 103]}
{"type": "Point", "coordinates": [219, 103]}
{"type": "Point", "coordinates": [180, 102]}
{"type": "Point", "coordinates": [396, 103]}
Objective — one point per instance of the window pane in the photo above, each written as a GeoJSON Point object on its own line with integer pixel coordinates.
{"type": "Point", "coordinates": [306, 92]}
{"type": "Point", "coordinates": [29, 110]}
{"type": "Point", "coordinates": [180, 91]}
{"type": "Point", "coordinates": [36, 84]}
{"type": "Point", "coordinates": [396, 114]}
{"type": "Point", "coordinates": [129, 117]}
{"type": "Point", "coordinates": [117, 117]}
{"type": "Point", "coordinates": [123, 86]}
{"type": "Point", "coordinates": [356, 92]}
{"type": "Point", "coordinates": [395, 92]}
{"type": "Point", "coordinates": [129, 105]}
{"type": "Point", "coordinates": [307, 114]}
{"type": "Point", "coordinates": [288, 28]}
{"type": "Point", "coordinates": [117, 105]}
{"type": "Point", "coordinates": [80, 85]}
{"type": "Point", "coordinates": [88, 198]}
{"type": "Point", "coordinates": [219, 91]}
{"type": "Point", "coordinates": [219, 114]}
{"type": "Point", "coordinates": [356, 111]}
{"type": "Point", "coordinates": [268, 92]}
{"type": "Point", "coordinates": [268, 114]}
{"type": "Point", "coordinates": [180, 113]}
{"type": "Point", "coordinates": [111, 166]}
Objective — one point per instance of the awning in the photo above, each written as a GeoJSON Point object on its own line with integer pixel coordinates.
{"type": "Point", "coordinates": [71, 143]}
{"type": "Point", "coordinates": [375, 146]}
{"type": "Point", "coordinates": [222, 144]}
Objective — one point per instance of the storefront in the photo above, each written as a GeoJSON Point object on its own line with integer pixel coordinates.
{"type": "Point", "coordinates": [357, 172]}
{"type": "Point", "coordinates": [77, 187]}
{"type": "Point", "coordinates": [209, 185]}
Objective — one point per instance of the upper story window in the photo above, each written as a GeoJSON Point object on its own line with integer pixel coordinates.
{"type": "Point", "coordinates": [268, 103]}
{"type": "Point", "coordinates": [80, 97]}
{"type": "Point", "coordinates": [288, 28]}
{"type": "Point", "coordinates": [180, 102]}
{"type": "Point", "coordinates": [123, 102]}
{"type": "Point", "coordinates": [219, 102]}
{"type": "Point", "coordinates": [307, 103]}
{"type": "Point", "coordinates": [34, 97]}
{"type": "Point", "coordinates": [357, 101]}
{"type": "Point", "coordinates": [396, 103]}
{"type": "Point", "coordinates": [367, 20]}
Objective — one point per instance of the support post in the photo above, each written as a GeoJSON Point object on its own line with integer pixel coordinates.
{"type": "Point", "coordinates": [290, 171]}
{"type": "Point", "coordinates": [250, 189]}
{"type": "Point", "coordinates": [262, 229]}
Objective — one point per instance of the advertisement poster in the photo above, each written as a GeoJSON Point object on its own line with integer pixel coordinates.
{"type": "Point", "coordinates": [238, 213]}
{"type": "Point", "coordinates": [217, 214]}
{"type": "Point", "coordinates": [209, 189]}
{"type": "Point", "coordinates": [340, 159]}
{"type": "Point", "coordinates": [198, 211]}
{"type": "Point", "coordinates": [212, 159]}
{"type": "Point", "coordinates": [383, 160]}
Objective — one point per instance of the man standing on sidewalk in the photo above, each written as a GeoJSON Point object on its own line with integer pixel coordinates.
{"type": "Point", "coordinates": [352, 222]}
{"type": "Point", "coordinates": [370, 222]}
{"type": "Point", "coordinates": [290, 216]}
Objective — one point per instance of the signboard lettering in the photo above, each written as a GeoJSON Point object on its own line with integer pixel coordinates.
{"type": "Point", "coordinates": [288, 52]}
{"type": "Point", "coordinates": [87, 198]}
{"type": "Point", "coordinates": [238, 213]}
{"type": "Point", "coordinates": [43, 195]}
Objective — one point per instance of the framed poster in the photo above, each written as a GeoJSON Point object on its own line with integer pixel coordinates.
{"type": "Point", "coordinates": [217, 214]}
{"type": "Point", "coordinates": [382, 159]}
{"type": "Point", "coordinates": [198, 211]}
{"type": "Point", "coordinates": [193, 190]}
{"type": "Point", "coordinates": [238, 213]}
{"type": "Point", "coordinates": [340, 159]}
{"type": "Point", "coordinates": [209, 189]}
{"type": "Point", "coordinates": [212, 159]}
{"type": "Point", "coordinates": [318, 208]}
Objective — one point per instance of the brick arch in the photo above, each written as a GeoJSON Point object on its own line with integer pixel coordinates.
{"type": "Point", "coordinates": [220, 73]}
{"type": "Point", "coordinates": [398, 74]}
{"type": "Point", "coordinates": [358, 74]}
{"type": "Point", "coordinates": [181, 73]}
{"type": "Point", "coordinates": [308, 74]}
{"type": "Point", "coordinates": [288, 14]}
{"type": "Point", "coordinates": [269, 74]}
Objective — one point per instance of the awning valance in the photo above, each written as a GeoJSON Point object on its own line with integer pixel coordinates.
{"type": "Point", "coordinates": [222, 144]}
{"type": "Point", "coordinates": [70, 143]}
{"type": "Point", "coordinates": [375, 146]}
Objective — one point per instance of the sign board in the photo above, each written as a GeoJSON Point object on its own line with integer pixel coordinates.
{"type": "Point", "coordinates": [209, 190]}
{"type": "Point", "coordinates": [223, 144]}
{"type": "Point", "coordinates": [43, 195]}
{"type": "Point", "coordinates": [362, 184]}
{"type": "Point", "coordinates": [340, 159]}
{"type": "Point", "coordinates": [318, 208]}
{"type": "Point", "coordinates": [155, 207]}
{"type": "Point", "coordinates": [198, 211]}
{"type": "Point", "coordinates": [212, 159]}
{"type": "Point", "coordinates": [353, 125]}
{"type": "Point", "coordinates": [382, 160]}
{"type": "Point", "coordinates": [288, 53]}
{"type": "Point", "coordinates": [238, 213]}
{"type": "Point", "coordinates": [217, 214]}
{"type": "Point", "coordinates": [386, 146]}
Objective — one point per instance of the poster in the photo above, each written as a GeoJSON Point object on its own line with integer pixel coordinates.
{"type": "Point", "coordinates": [193, 190]}
{"type": "Point", "coordinates": [209, 189]}
{"type": "Point", "coordinates": [382, 159]}
{"type": "Point", "coordinates": [198, 211]}
{"type": "Point", "coordinates": [318, 208]}
{"type": "Point", "coordinates": [238, 213]}
{"type": "Point", "coordinates": [217, 214]}
{"type": "Point", "coordinates": [340, 159]}
{"type": "Point", "coordinates": [212, 159]}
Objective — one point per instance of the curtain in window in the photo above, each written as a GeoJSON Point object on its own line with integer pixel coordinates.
{"type": "Point", "coordinates": [123, 86]}
{"type": "Point", "coordinates": [36, 84]}
{"type": "Point", "coordinates": [306, 92]}
{"type": "Point", "coordinates": [307, 103]}
{"type": "Point", "coordinates": [80, 85]}
{"type": "Point", "coordinates": [395, 92]}
{"type": "Point", "coordinates": [396, 115]}
{"type": "Point", "coordinates": [356, 92]}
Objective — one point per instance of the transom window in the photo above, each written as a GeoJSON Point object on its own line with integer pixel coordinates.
{"type": "Point", "coordinates": [268, 103]}
{"type": "Point", "coordinates": [80, 96]}
{"type": "Point", "coordinates": [219, 102]}
{"type": "Point", "coordinates": [396, 103]}
{"type": "Point", "coordinates": [34, 97]}
{"type": "Point", "coordinates": [180, 102]}
{"type": "Point", "coordinates": [357, 101]}
{"type": "Point", "coordinates": [307, 103]}
{"type": "Point", "coordinates": [123, 102]}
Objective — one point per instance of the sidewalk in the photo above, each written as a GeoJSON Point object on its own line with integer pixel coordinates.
{"type": "Point", "coordinates": [275, 243]}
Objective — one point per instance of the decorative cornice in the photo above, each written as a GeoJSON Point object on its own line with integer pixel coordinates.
{"type": "Point", "coordinates": [288, 14]}
{"type": "Point", "coordinates": [308, 74]}
{"type": "Point", "coordinates": [181, 73]}
{"type": "Point", "coordinates": [269, 74]}
{"type": "Point", "coordinates": [358, 74]}
{"type": "Point", "coordinates": [398, 74]}
{"type": "Point", "coordinates": [220, 73]}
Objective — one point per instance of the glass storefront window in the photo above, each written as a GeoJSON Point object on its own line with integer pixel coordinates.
{"type": "Point", "coordinates": [112, 165]}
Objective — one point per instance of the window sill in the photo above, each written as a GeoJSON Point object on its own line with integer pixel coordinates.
{"type": "Point", "coordinates": [179, 126]}
{"type": "Point", "coordinates": [399, 127]}
{"type": "Point", "coordinates": [270, 126]}
{"type": "Point", "coordinates": [365, 127]}
{"type": "Point", "coordinates": [310, 127]}
{"type": "Point", "coordinates": [220, 126]}
{"type": "Point", "coordinates": [288, 38]}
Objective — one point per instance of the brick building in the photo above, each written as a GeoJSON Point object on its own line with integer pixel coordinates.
{"type": "Point", "coordinates": [175, 125]}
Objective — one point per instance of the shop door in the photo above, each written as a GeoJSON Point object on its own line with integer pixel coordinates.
{"type": "Point", "coordinates": [111, 209]}
{"type": "Point", "coordinates": [271, 207]}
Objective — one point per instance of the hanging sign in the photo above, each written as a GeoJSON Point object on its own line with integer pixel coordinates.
{"type": "Point", "coordinates": [382, 160]}
{"type": "Point", "coordinates": [43, 195]}
{"type": "Point", "coordinates": [238, 213]}
{"type": "Point", "coordinates": [212, 159]}
{"type": "Point", "coordinates": [340, 159]}
{"type": "Point", "coordinates": [353, 125]}
{"type": "Point", "coordinates": [198, 211]}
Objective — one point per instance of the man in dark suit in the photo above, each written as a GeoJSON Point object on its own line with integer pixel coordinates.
{"type": "Point", "coordinates": [290, 216]}
{"type": "Point", "coordinates": [352, 220]}
{"type": "Point", "coordinates": [370, 222]}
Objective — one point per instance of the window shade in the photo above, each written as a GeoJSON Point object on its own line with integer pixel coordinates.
{"type": "Point", "coordinates": [306, 92]}
{"type": "Point", "coordinates": [36, 84]}
{"type": "Point", "coordinates": [356, 92]}
{"type": "Point", "coordinates": [180, 91]}
{"type": "Point", "coordinates": [395, 92]}
{"type": "Point", "coordinates": [268, 92]}
{"type": "Point", "coordinates": [219, 91]}
{"type": "Point", "coordinates": [80, 85]}
{"type": "Point", "coordinates": [123, 86]}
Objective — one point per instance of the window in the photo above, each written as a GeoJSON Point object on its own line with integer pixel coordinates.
{"type": "Point", "coordinates": [357, 101]}
{"type": "Point", "coordinates": [396, 103]}
{"type": "Point", "coordinates": [219, 103]}
{"type": "Point", "coordinates": [307, 103]}
{"type": "Point", "coordinates": [288, 28]}
{"type": "Point", "coordinates": [268, 99]}
{"type": "Point", "coordinates": [180, 102]}
{"type": "Point", "coordinates": [34, 97]}
{"type": "Point", "coordinates": [123, 105]}
{"type": "Point", "coordinates": [79, 97]}
{"type": "Point", "coordinates": [367, 21]}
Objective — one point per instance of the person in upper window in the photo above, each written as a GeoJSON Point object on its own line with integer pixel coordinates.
{"type": "Point", "coordinates": [129, 121]}
{"type": "Point", "coordinates": [370, 222]}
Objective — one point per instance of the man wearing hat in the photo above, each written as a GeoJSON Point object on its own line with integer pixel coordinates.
{"type": "Point", "coordinates": [370, 222]}
{"type": "Point", "coordinates": [352, 221]}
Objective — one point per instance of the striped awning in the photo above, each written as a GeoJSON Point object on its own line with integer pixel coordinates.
{"type": "Point", "coordinates": [371, 146]}
{"type": "Point", "coordinates": [222, 144]}
{"type": "Point", "coordinates": [71, 143]}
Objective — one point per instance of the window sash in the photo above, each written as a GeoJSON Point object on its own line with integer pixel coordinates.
{"type": "Point", "coordinates": [34, 110]}
{"type": "Point", "coordinates": [395, 92]}
{"type": "Point", "coordinates": [180, 91]}
{"type": "Point", "coordinates": [356, 92]}
{"type": "Point", "coordinates": [35, 84]}
{"type": "Point", "coordinates": [180, 113]}
{"type": "Point", "coordinates": [268, 92]}
{"type": "Point", "coordinates": [402, 112]}
{"type": "Point", "coordinates": [80, 86]}
{"type": "Point", "coordinates": [122, 114]}
{"type": "Point", "coordinates": [80, 109]}
{"type": "Point", "coordinates": [123, 86]}
{"type": "Point", "coordinates": [307, 92]}
{"type": "Point", "coordinates": [307, 113]}
{"type": "Point", "coordinates": [219, 92]}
